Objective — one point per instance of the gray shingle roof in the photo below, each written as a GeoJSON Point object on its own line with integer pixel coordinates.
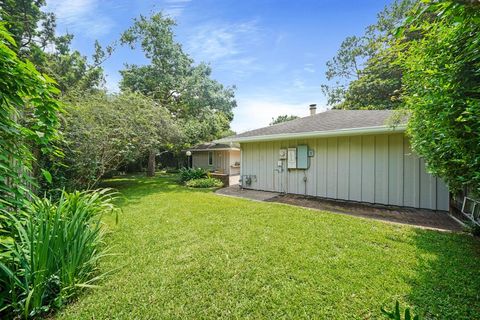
{"type": "Point", "coordinates": [325, 121]}
{"type": "Point", "coordinates": [214, 146]}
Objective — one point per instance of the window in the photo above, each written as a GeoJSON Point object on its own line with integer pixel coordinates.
{"type": "Point", "coordinates": [210, 158]}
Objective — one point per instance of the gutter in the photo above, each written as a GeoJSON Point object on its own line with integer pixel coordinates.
{"type": "Point", "coordinates": [219, 149]}
{"type": "Point", "coordinates": [318, 134]}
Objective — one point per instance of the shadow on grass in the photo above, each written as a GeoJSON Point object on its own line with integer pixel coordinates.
{"type": "Point", "coordinates": [135, 187]}
{"type": "Point", "coordinates": [447, 282]}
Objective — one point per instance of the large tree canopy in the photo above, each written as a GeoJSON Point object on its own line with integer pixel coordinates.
{"type": "Point", "coordinates": [34, 32]}
{"type": "Point", "coordinates": [363, 73]}
{"type": "Point", "coordinates": [171, 78]}
{"type": "Point", "coordinates": [103, 132]}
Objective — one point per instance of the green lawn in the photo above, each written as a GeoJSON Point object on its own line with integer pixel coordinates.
{"type": "Point", "coordinates": [195, 255]}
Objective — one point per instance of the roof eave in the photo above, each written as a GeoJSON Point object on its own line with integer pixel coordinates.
{"type": "Point", "coordinates": [218, 149]}
{"type": "Point", "coordinates": [317, 134]}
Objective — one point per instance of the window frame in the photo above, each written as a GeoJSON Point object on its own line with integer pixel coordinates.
{"type": "Point", "coordinates": [210, 158]}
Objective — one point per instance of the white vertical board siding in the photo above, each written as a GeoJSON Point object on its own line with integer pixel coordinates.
{"type": "Point", "coordinates": [395, 169]}
{"type": "Point", "coordinates": [332, 167]}
{"type": "Point", "coordinates": [276, 174]}
{"type": "Point", "coordinates": [200, 159]}
{"type": "Point", "coordinates": [312, 171]}
{"type": "Point", "coordinates": [343, 169]}
{"type": "Point", "coordinates": [262, 174]}
{"type": "Point", "coordinates": [320, 161]}
{"type": "Point", "coordinates": [381, 169]}
{"type": "Point", "coordinates": [411, 177]}
{"type": "Point", "coordinates": [443, 195]}
{"type": "Point", "coordinates": [428, 188]}
{"type": "Point", "coordinates": [373, 168]}
{"type": "Point", "coordinates": [368, 169]}
{"type": "Point", "coordinates": [355, 170]}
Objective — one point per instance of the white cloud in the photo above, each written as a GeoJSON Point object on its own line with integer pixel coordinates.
{"type": "Point", "coordinates": [175, 8]}
{"type": "Point", "coordinates": [214, 41]}
{"type": "Point", "coordinates": [81, 16]}
{"type": "Point", "coordinates": [308, 67]}
{"type": "Point", "coordinates": [228, 45]}
{"type": "Point", "coordinates": [253, 113]}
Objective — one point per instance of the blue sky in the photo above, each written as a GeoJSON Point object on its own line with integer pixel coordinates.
{"type": "Point", "coordinates": [273, 51]}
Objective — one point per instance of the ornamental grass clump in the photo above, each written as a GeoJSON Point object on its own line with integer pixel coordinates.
{"type": "Point", "coordinates": [54, 251]}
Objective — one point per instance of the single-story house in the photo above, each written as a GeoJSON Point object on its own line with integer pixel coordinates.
{"type": "Point", "coordinates": [352, 155]}
{"type": "Point", "coordinates": [222, 159]}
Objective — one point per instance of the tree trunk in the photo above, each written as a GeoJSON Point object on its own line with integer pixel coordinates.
{"type": "Point", "coordinates": [151, 164]}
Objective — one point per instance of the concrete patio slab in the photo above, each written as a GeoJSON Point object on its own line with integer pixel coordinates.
{"type": "Point", "coordinates": [236, 191]}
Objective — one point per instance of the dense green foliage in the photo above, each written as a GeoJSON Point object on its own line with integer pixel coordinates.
{"type": "Point", "coordinates": [363, 73]}
{"type": "Point", "coordinates": [442, 90]}
{"type": "Point", "coordinates": [47, 249]}
{"type": "Point", "coordinates": [201, 104]}
{"type": "Point", "coordinates": [204, 183]}
{"type": "Point", "coordinates": [187, 174]}
{"type": "Point", "coordinates": [54, 251]}
{"type": "Point", "coordinates": [28, 123]}
{"type": "Point", "coordinates": [102, 132]}
{"type": "Point", "coordinates": [191, 254]}
{"type": "Point", "coordinates": [34, 33]}
{"type": "Point", "coordinates": [282, 118]}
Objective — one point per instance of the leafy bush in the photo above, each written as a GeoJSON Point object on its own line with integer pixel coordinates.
{"type": "Point", "coordinates": [204, 183]}
{"type": "Point", "coordinates": [397, 315]}
{"type": "Point", "coordinates": [187, 174]}
{"type": "Point", "coordinates": [440, 86]}
{"type": "Point", "coordinates": [28, 122]}
{"type": "Point", "coordinates": [103, 132]}
{"type": "Point", "coordinates": [54, 251]}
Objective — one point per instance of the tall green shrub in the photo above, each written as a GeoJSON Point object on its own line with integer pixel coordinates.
{"type": "Point", "coordinates": [28, 122]}
{"type": "Point", "coordinates": [441, 85]}
{"type": "Point", "coordinates": [55, 252]}
{"type": "Point", "coordinates": [105, 131]}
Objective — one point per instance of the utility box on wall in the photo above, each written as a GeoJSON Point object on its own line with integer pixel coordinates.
{"type": "Point", "coordinates": [302, 157]}
{"type": "Point", "coordinates": [292, 158]}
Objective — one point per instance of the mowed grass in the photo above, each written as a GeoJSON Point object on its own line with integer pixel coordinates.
{"type": "Point", "coordinates": [190, 254]}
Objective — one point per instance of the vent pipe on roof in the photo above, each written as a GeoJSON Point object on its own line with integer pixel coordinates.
{"type": "Point", "coordinates": [313, 109]}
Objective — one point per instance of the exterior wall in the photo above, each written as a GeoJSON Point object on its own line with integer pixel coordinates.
{"type": "Point", "coordinates": [200, 159]}
{"type": "Point", "coordinates": [222, 160]}
{"type": "Point", "coordinates": [372, 168]}
{"type": "Point", "coordinates": [234, 158]}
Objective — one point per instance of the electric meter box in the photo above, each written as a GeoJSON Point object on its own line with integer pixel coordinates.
{"type": "Point", "coordinates": [302, 157]}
